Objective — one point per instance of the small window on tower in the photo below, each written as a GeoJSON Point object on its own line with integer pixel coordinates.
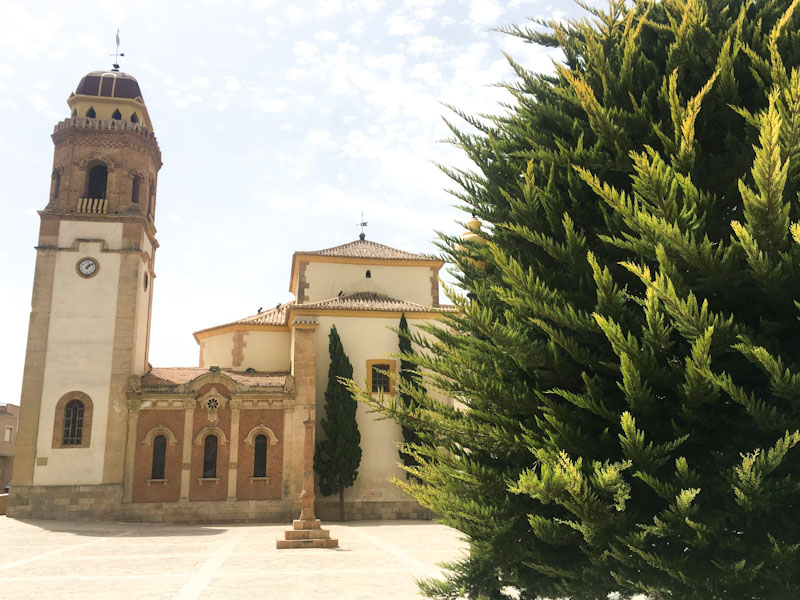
{"type": "Point", "coordinates": [116, 115]}
{"type": "Point", "coordinates": [137, 184]}
{"type": "Point", "coordinates": [96, 186]}
{"type": "Point", "coordinates": [56, 183]}
{"type": "Point", "coordinates": [90, 113]}
{"type": "Point", "coordinates": [369, 273]}
{"type": "Point", "coordinates": [134, 118]}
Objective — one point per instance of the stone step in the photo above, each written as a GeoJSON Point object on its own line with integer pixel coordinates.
{"type": "Point", "coordinates": [308, 534]}
{"type": "Point", "coordinates": [292, 544]}
{"type": "Point", "coordinates": [303, 524]}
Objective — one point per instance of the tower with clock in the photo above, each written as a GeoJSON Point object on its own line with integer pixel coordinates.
{"type": "Point", "coordinates": [92, 292]}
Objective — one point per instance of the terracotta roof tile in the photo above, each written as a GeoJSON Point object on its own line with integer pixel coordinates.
{"type": "Point", "coordinates": [367, 249]}
{"type": "Point", "coordinates": [367, 301]}
{"type": "Point", "coordinates": [273, 316]}
{"type": "Point", "coordinates": [171, 376]}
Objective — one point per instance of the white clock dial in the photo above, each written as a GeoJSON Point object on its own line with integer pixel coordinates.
{"type": "Point", "coordinates": [87, 267]}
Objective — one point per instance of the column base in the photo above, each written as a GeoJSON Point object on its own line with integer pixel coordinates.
{"type": "Point", "coordinates": [306, 534]}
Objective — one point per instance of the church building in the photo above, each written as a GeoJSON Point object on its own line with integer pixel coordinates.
{"type": "Point", "coordinates": [104, 435]}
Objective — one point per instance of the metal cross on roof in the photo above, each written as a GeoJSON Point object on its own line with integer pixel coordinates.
{"type": "Point", "coordinates": [362, 224]}
{"type": "Point", "coordinates": [117, 54]}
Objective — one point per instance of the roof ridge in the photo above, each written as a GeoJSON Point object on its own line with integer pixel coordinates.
{"type": "Point", "coordinates": [388, 253]}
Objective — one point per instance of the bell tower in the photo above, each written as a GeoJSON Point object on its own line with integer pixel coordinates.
{"type": "Point", "coordinates": [92, 292]}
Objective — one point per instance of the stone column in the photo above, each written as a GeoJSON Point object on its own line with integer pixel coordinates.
{"type": "Point", "coordinates": [186, 462]}
{"type": "Point", "coordinates": [130, 450]}
{"type": "Point", "coordinates": [307, 495]}
{"type": "Point", "coordinates": [233, 454]}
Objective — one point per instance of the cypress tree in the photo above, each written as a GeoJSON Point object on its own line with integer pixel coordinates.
{"type": "Point", "coordinates": [408, 385]}
{"type": "Point", "coordinates": [627, 365]}
{"type": "Point", "coordinates": [338, 455]}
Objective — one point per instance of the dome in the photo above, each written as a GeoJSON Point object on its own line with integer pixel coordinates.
{"type": "Point", "coordinates": [115, 84]}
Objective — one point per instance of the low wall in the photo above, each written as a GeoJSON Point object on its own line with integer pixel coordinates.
{"type": "Point", "coordinates": [104, 503]}
{"type": "Point", "coordinates": [3, 503]}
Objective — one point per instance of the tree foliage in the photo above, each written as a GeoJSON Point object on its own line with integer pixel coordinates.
{"type": "Point", "coordinates": [628, 363]}
{"type": "Point", "coordinates": [338, 455]}
{"type": "Point", "coordinates": [409, 384]}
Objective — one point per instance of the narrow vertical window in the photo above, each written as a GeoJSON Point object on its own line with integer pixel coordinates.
{"type": "Point", "coordinates": [210, 457]}
{"type": "Point", "coordinates": [73, 423]}
{"type": "Point", "coordinates": [116, 115]}
{"type": "Point", "coordinates": [159, 457]}
{"type": "Point", "coordinates": [56, 183]}
{"type": "Point", "coordinates": [380, 380]}
{"type": "Point", "coordinates": [369, 274]}
{"type": "Point", "coordinates": [260, 456]}
{"type": "Point", "coordinates": [90, 113]}
{"type": "Point", "coordinates": [137, 182]}
{"type": "Point", "coordinates": [134, 118]}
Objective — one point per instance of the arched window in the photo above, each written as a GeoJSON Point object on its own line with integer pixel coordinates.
{"type": "Point", "coordinates": [116, 115]}
{"type": "Point", "coordinates": [73, 424]}
{"type": "Point", "coordinates": [137, 183]}
{"type": "Point", "coordinates": [159, 457]}
{"type": "Point", "coordinates": [134, 118]}
{"type": "Point", "coordinates": [260, 456]}
{"type": "Point", "coordinates": [369, 274]}
{"type": "Point", "coordinates": [98, 178]}
{"type": "Point", "coordinates": [210, 457]}
{"type": "Point", "coordinates": [90, 113]}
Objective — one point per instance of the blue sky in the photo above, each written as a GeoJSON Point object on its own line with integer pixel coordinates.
{"type": "Point", "coordinates": [278, 124]}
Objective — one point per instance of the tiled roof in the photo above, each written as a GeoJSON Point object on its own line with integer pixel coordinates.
{"type": "Point", "coordinates": [367, 249]}
{"type": "Point", "coordinates": [273, 316]}
{"type": "Point", "coordinates": [366, 301]}
{"type": "Point", "coordinates": [169, 376]}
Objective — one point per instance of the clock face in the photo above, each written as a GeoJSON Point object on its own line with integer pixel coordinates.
{"type": "Point", "coordinates": [87, 267]}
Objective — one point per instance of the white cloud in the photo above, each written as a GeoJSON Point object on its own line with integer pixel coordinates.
{"type": "Point", "coordinates": [304, 49]}
{"type": "Point", "coordinates": [175, 218]}
{"type": "Point", "coordinates": [422, 9]}
{"type": "Point", "coordinates": [319, 137]}
{"type": "Point", "coordinates": [42, 85]}
{"type": "Point", "coordinates": [7, 71]}
{"type": "Point", "coordinates": [427, 72]}
{"type": "Point", "coordinates": [294, 13]}
{"type": "Point", "coordinates": [202, 82]}
{"type": "Point", "coordinates": [326, 8]}
{"type": "Point", "coordinates": [232, 84]}
{"type": "Point", "coordinates": [325, 36]}
{"type": "Point", "coordinates": [270, 105]}
{"type": "Point", "coordinates": [426, 44]}
{"type": "Point", "coordinates": [399, 24]}
{"type": "Point", "coordinates": [306, 99]}
{"type": "Point", "coordinates": [247, 30]}
{"type": "Point", "coordinates": [484, 12]}
{"type": "Point", "coordinates": [358, 27]}
{"type": "Point", "coordinates": [262, 4]}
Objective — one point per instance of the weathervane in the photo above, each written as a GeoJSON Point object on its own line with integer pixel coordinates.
{"type": "Point", "coordinates": [117, 54]}
{"type": "Point", "coordinates": [363, 224]}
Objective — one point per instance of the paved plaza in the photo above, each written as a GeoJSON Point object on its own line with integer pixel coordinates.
{"type": "Point", "coordinates": [376, 560]}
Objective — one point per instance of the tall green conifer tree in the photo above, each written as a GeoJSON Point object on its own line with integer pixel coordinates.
{"type": "Point", "coordinates": [409, 385]}
{"type": "Point", "coordinates": [338, 455]}
{"type": "Point", "coordinates": [629, 363]}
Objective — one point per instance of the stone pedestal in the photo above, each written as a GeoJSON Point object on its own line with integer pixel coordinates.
{"type": "Point", "coordinates": [307, 531]}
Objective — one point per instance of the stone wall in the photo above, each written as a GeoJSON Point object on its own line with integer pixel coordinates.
{"type": "Point", "coordinates": [104, 503]}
